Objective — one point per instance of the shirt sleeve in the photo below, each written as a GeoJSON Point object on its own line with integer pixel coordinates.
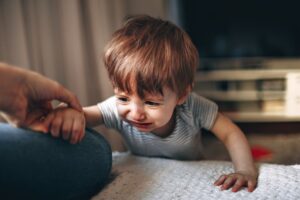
{"type": "Point", "coordinates": [204, 110]}
{"type": "Point", "coordinates": [109, 113]}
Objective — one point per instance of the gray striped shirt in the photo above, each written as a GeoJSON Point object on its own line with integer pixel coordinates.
{"type": "Point", "coordinates": [183, 143]}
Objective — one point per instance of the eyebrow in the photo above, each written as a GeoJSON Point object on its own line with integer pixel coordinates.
{"type": "Point", "coordinates": [147, 96]}
{"type": "Point", "coordinates": [158, 97]}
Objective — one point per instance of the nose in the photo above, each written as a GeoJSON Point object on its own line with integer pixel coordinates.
{"type": "Point", "coordinates": [138, 113]}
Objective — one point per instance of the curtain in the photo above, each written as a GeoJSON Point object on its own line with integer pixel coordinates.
{"type": "Point", "coordinates": [64, 40]}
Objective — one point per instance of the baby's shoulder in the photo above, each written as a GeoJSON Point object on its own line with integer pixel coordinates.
{"type": "Point", "coordinates": [194, 99]}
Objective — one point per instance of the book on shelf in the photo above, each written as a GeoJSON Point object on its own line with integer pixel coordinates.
{"type": "Point", "coordinates": [292, 99]}
{"type": "Point", "coordinates": [272, 106]}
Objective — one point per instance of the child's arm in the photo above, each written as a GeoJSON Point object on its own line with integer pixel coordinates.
{"type": "Point", "coordinates": [93, 116]}
{"type": "Point", "coordinates": [239, 150]}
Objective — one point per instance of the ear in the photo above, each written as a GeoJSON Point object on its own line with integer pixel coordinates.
{"type": "Point", "coordinates": [182, 99]}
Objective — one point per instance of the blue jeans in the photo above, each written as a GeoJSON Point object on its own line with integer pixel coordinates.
{"type": "Point", "coordinates": [37, 166]}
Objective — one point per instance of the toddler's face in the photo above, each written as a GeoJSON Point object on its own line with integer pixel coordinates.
{"type": "Point", "coordinates": [153, 113]}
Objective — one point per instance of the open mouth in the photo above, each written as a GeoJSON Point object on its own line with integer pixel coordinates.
{"type": "Point", "coordinates": [140, 125]}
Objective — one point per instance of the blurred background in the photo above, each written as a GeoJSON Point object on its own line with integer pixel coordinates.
{"type": "Point", "coordinates": [249, 52]}
{"type": "Point", "coordinates": [64, 40]}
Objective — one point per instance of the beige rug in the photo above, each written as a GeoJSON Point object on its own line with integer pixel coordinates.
{"type": "Point", "coordinates": [141, 178]}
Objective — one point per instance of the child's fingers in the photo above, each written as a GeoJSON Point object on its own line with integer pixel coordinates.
{"type": "Point", "coordinates": [66, 129]}
{"type": "Point", "coordinates": [236, 181]}
{"type": "Point", "coordinates": [74, 137]}
{"type": "Point", "coordinates": [77, 137]}
{"type": "Point", "coordinates": [76, 132]}
{"type": "Point", "coordinates": [251, 185]}
{"type": "Point", "coordinates": [80, 136]}
{"type": "Point", "coordinates": [238, 185]}
{"type": "Point", "coordinates": [56, 127]}
{"type": "Point", "coordinates": [228, 183]}
{"type": "Point", "coordinates": [220, 180]}
{"type": "Point", "coordinates": [83, 129]}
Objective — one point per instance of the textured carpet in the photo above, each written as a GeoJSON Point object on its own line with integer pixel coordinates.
{"type": "Point", "coordinates": [140, 178]}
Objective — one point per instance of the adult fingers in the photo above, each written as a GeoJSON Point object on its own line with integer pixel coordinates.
{"type": "Point", "coordinates": [18, 118]}
{"type": "Point", "coordinates": [46, 106]}
{"type": "Point", "coordinates": [64, 95]}
{"type": "Point", "coordinates": [39, 127]}
{"type": "Point", "coordinates": [33, 116]}
{"type": "Point", "coordinates": [40, 88]}
{"type": "Point", "coordinates": [48, 120]}
{"type": "Point", "coordinates": [16, 113]}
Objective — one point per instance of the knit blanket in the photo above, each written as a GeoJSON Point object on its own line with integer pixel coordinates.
{"type": "Point", "coordinates": [142, 178]}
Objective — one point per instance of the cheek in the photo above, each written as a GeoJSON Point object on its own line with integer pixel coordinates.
{"type": "Point", "coordinates": [121, 110]}
{"type": "Point", "coordinates": [163, 115]}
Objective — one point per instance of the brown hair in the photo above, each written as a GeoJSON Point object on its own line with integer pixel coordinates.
{"type": "Point", "coordinates": [147, 54]}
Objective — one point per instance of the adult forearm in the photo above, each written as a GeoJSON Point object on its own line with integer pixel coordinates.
{"type": "Point", "coordinates": [11, 79]}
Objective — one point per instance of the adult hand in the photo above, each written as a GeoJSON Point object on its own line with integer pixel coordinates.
{"type": "Point", "coordinates": [25, 95]}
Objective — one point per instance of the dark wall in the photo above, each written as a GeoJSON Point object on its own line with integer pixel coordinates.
{"type": "Point", "coordinates": [248, 28]}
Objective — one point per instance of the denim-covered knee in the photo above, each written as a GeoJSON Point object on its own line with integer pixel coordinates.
{"type": "Point", "coordinates": [37, 166]}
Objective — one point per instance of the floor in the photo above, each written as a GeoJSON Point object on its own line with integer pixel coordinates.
{"type": "Point", "coordinates": [279, 148]}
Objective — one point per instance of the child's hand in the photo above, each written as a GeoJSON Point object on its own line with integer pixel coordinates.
{"type": "Point", "coordinates": [65, 122]}
{"type": "Point", "coordinates": [237, 180]}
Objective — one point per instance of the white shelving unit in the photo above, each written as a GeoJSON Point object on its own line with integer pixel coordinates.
{"type": "Point", "coordinates": [253, 89]}
{"type": "Point", "coordinates": [261, 117]}
{"type": "Point", "coordinates": [243, 95]}
{"type": "Point", "coordinates": [246, 74]}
